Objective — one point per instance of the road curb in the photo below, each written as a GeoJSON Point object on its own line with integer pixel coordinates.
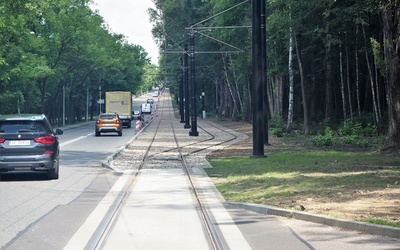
{"type": "Point", "coordinates": [363, 227]}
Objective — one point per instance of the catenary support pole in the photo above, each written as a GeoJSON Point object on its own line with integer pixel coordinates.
{"type": "Point", "coordinates": [193, 131]}
{"type": "Point", "coordinates": [257, 89]}
{"type": "Point", "coordinates": [181, 98]}
{"type": "Point", "coordinates": [264, 71]}
{"type": "Point", "coordinates": [186, 80]}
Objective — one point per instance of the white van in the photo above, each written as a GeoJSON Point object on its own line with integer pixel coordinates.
{"type": "Point", "coordinates": [146, 108]}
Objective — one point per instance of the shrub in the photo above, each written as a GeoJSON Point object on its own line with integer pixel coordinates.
{"type": "Point", "coordinates": [350, 133]}
{"type": "Point", "coordinates": [324, 140]}
{"type": "Point", "coordinates": [278, 126]}
{"type": "Point", "coordinates": [278, 132]}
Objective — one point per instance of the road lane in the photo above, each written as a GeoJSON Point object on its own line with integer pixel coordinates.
{"type": "Point", "coordinates": [37, 212]}
{"type": "Point", "coordinates": [29, 199]}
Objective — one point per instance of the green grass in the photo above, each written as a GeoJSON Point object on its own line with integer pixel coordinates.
{"type": "Point", "coordinates": [385, 222]}
{"type": "Point", "coordinates": [281, 176]}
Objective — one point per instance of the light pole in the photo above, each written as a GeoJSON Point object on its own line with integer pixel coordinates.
{"type": "Point", "coordinates": [63, 121]}
{"type": "Point", "coordinates": [87, 103]}
{"type": "Point", "coordinates": [100, 99]}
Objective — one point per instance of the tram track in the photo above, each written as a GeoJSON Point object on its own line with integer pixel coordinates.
{"type": "Point", "coordinates": [156, 154]}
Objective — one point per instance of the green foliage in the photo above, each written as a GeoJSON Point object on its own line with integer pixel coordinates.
{"type": "Point", "coordinates": [350, 133]}
{"type": "Point", "coordinates": [383, 221]}
{"type": "Point", "coordinates": [47, 46]}
{"type": "Point", "coordinates": [9, 101]}
{"type": "Point", "coordinates": [325, 139]}
{"type": "Point", "coordinates": [278, 126]}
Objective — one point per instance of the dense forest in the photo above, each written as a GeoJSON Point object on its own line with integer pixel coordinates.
{"type": "Point", "coordinates": [55, 50]}
{"type": "Point", "coordinates": [328, 61]}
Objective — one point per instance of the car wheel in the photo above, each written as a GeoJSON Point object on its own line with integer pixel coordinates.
{"type": "Point", "coordinates": [120, 133]}
{"type": "Point", "coordinates": [53, 173]}
{"type": "Point", "coordinates": [97, 133]}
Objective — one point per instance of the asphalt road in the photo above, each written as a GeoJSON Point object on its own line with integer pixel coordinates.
{"type": "Point", "coordinates": [36, 212]}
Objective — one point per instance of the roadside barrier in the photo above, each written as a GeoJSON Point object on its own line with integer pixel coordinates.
{"type": "Point", "coordinates": [137, 125]}
{"type": "Point", "coordinates": [150, 117]}
{"type": "Point", "coordinates": [142, 120]}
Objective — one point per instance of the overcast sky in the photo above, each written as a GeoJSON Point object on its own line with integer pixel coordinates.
{"type": "Point", "coordinates": [130, 18]}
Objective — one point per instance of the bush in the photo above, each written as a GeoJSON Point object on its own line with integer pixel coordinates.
{"type": "Point", "coordinates": [278, 126]}
{"type": "Point", "coordinates": [324, 140]}
{"type": "Point", "coordinates": [350, 133]}
{"type": "Point", "coordinates": [279, 132]}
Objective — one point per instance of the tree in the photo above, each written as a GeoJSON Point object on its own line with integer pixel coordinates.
{"type": "Point", "coordinates": [390, 16]}
{"type": "Point", "coordinates": [47, 47]}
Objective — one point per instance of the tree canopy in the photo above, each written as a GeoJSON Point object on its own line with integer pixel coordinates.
{"type": "Point", "coordinates": [53, 48]}
{"type": "Point", "coordinates": [336, 59]}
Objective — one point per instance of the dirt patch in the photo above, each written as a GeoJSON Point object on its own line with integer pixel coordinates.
{"type": "Point", "coordinates": [349, 204]}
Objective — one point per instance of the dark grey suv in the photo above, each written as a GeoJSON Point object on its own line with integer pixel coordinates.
{"type": "Point", "coordinates": [29, 143]}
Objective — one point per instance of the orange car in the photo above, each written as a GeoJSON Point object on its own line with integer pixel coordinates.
{"type": "Point", "coordinates": [108, 122]}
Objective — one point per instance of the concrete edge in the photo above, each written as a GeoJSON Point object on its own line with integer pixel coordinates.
{"type": "Point", "coordinates": [363, 227]}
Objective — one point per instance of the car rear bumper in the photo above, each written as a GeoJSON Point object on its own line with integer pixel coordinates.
{"type": "Point", "coordinates": [32, 163]}
{"type": "Point", "coordinates": [126, 122]}
{"type": "Point", "coordinates": [107, 129]}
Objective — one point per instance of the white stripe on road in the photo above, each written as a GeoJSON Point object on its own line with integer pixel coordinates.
{"type": "Point", "coordinates": [75, 140]}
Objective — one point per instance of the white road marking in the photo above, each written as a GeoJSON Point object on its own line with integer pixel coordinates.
{"type": "Point", "coordinates": [75, 140]}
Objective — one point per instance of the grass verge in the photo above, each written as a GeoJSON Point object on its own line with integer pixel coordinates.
{"type": "Point", "coordinates": [283, 179]}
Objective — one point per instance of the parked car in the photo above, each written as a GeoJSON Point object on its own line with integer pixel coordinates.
{"type": "Point", "coordinates": [150, 100]}
{"type": "Point", "coordinates": [108, 122]}
{"type": "Point", "coordinates": [29, 143]}
{"type": "Point", "coordinates": [136, 114]}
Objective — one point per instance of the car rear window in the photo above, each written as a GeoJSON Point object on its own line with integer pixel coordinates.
{"type": "Point", "coordinates": [21, 126]}
{"type": "Point", "coordinates": [107, 116]}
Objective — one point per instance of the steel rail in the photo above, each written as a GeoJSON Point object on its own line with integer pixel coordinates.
{"type": "Point", "coordinates": [100, 236]}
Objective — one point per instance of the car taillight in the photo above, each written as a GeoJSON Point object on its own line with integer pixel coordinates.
{"type": "Point", "coordinates": [2, 140]}
{"type": "Point", "coordinates": [117, 121]}
{"type": "Point", "coordinates": [48, 139]}
{"type": "Point", "coordinates": [48, 152]}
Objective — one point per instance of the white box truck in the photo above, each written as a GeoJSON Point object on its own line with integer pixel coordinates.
{"type": "Point", "coordinates": [146, 108]}
{"type": "Point", "coordinates": [121, 103]}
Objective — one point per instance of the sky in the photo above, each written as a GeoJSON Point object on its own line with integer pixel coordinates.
{"type": "Point", "coordinates": [130, 18]}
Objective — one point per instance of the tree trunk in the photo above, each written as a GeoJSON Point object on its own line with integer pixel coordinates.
{"type": "Point", "coordinates": [280, 94]}
{"type": "Point", "coordinates": [248, 112]}
{"type": "Point", "coordinates": [391, 32]}
{"type": "Point", "coordinates": [348, 81]}
{"type": "Point", "coordinates": [357, 76]}
{"type": "Point", "coordinates": [313, 89]}
{"type": "Point", "coordinates": [303, 89]}
{"type": "Point", "coordinates": [328, 73]}
{"type": "Point", "coordinates": [371, 80]}
{"type": "Point", "coordinates": [235, 108]}
{"type": "Point", "coordinates": [342, 85]}
{"type": "Point", "coordinates": [291, 83]}
{"type": "Point", "coordinates": [378, 100]}
{"type": "Point", "coordinates": [237, 87]}
{"type": "Point", "coordinates": [271, 97]}
{"type": "Point", "coordinates": [42, 87]}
